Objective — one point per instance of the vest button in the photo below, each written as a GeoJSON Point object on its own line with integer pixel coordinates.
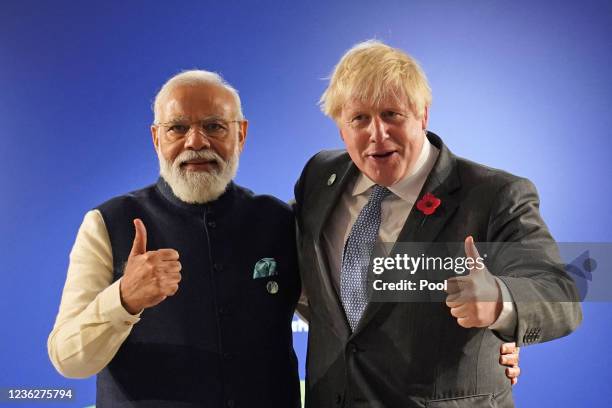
{"type": "Point", "coordinates": [227, 356]}
{"type": "Point", "coordinates": [231, 403]}
{"type": "Point", "coordinates": [211, 224]}
{"type": "Point", "coordinates": [218, 267]}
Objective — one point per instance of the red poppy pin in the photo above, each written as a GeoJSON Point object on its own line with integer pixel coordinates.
{"type": "Point", "coordinates": [428, 204]}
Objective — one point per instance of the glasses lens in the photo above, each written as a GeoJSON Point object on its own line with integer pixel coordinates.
{"type": "Point", "coordinates": [215, 128]}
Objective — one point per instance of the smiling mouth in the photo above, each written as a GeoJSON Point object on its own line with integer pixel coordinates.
{"type": "Point", "coordinates": [381, 155]}
{"type": "Point", "coordinates": [199, 164]}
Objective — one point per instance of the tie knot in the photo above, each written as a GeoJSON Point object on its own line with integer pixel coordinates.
{"type": "Point", "coordinates": [378, 194]}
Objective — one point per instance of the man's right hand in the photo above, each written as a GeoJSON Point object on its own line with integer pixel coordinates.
{"type": "Point", "coordinates": [149, 277]}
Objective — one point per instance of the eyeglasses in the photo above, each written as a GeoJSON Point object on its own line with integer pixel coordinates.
{"type": "Point", "coordinates": [212, 128]}
{"type": "Point", "coordinates": [362, 121]}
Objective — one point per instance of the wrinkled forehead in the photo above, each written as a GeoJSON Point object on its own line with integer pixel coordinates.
{"type": "Point", "coordinates": [376, 100]}
{"type": "Point", "coordinates": [193, 102]}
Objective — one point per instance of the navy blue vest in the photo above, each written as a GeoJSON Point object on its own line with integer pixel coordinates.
{"type": "Point", "coordinates": [224, 339]}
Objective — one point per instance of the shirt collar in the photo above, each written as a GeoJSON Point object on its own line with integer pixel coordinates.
{"type": "Point", "coordinates": [409, 187]}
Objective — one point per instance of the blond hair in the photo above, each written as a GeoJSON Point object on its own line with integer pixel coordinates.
{"type": "Point", "coordinates": [371, 71]}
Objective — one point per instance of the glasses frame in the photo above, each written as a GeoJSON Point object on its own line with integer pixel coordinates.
{"type": "Point", "coordinates": [166, 126]}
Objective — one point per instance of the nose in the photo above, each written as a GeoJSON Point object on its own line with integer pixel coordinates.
{"type": "Point", "coordinates": [377, 129]}
{"type": "Point", "coordinates": [196, 139]}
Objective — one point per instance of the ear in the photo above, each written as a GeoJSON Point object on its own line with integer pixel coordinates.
{"type": "Point", "coordinates": [155, 136]}
{"type": "Point", "coordinates": [242, 133]}
{"type": "Point", "coordinates": [425, 118]}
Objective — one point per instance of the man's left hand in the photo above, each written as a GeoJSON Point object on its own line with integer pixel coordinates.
{"type": "Point", "coordinates": [509, 357]}
{"type": "Point", "coordinates": [474, 300]}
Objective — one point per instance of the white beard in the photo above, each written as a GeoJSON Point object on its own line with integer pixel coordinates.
{"type": "Point", "coordinates": [199, 187]}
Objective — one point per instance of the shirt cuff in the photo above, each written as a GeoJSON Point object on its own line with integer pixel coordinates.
{"type": "Point", "coordinates": [506, 321]}
{"type": "Point", "coordinates": [112, 309]}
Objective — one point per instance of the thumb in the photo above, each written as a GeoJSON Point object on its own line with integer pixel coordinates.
{"type": "Point", "coordinates": [472, 252]}
{"type": "Point", "coordinates": [139, 246]}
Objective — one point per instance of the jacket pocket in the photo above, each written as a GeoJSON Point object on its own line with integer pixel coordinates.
{"type": "Point", "coordinates": [474, 401]}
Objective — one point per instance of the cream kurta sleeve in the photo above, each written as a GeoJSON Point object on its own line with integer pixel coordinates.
{"type": "Point", "coordinates": [91, 323]}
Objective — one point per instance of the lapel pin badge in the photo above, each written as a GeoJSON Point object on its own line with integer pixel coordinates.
{"type": "Point", "coordinates": [272, 287]}
{"type": "Point", "coordinates": [331, 179]}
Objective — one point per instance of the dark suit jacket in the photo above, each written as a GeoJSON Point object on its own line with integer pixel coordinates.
{"type": "Point", "coordinates": [414, 354]}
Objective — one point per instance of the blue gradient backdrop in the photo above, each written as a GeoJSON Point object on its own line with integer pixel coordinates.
{"type": "Point", "coordinates": [522, 86]}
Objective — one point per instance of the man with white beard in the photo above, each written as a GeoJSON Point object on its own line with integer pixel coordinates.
{"type": "Point", "coordinates": [181, 294]}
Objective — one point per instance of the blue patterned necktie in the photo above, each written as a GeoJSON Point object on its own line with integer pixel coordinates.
{"type": "Point", "coordinates": [356, 258]}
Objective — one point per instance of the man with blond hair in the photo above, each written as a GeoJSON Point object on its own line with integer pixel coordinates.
{"type": "Point", "coordinates": [395, 182]}
{"type": "Point", "coordinates": [182, 294]}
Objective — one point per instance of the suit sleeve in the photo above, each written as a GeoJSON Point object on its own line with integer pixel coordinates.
{"type": "Point", "coordinates": [528, 262]}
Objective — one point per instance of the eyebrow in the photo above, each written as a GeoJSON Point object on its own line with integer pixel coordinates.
{"type": "Point", "coordinates": [378, 109]}
{"type": "Point", "coordinates": [174, 120]}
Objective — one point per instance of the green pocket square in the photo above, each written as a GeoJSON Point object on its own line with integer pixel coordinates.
{"type": "Point", "coordinates": [265, 267]}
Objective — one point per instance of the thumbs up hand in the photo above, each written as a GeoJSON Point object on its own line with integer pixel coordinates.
{"type": "Point", "coordinates": [474, 300]}
{"type": "Point", "coordinates": [149, 277]}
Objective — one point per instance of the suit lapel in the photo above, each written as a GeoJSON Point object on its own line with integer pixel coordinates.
{"type": "Point", "coordinates": [443, 181]}
{"type": "Point", "coordinates": [340, 176]}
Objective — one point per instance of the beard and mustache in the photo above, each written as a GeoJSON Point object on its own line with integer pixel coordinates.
{"type": "Point", "coordinates": [199, 187]}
